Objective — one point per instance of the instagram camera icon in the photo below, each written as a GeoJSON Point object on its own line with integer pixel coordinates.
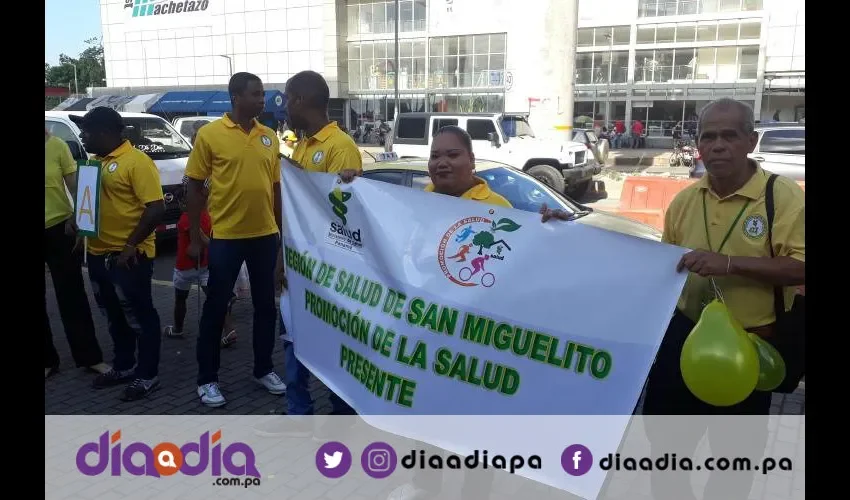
{"type": "Point", "coordinates": [379, 460]}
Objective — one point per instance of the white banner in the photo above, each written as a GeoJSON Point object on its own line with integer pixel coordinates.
{"type": "Point", "coordinates": [405, 302]}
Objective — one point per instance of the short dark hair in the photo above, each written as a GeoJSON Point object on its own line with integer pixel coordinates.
{"type": "Point", "coordinates": [239, 83]}
{"type": "Point", "coordinates": [458, 132]}
{"type": "Point", "coordinates": [312, 87]}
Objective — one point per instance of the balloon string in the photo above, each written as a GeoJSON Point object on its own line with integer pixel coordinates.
{"type": "Point", "coordinates": [716, 290]}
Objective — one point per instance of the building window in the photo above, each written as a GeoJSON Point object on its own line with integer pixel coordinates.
{"type": "Point", "coordinates": [706, 31]}
{"type": "Point", "coordinates": [702, 64]}
{"type": "Point", "coordinates": [659, 8]}
{"type": "Point", "coordinates": [371, 65]}
{"type": "Point", "coordinates": [369, 17]}
{"type": "Point", "coordinates": [472, 61]}
{"type": "Point", "coordinates": [602, 67]}
{"type": "Point", "coordinates": [605, 36]}
{"type": "Point", "coordinates": [467, 103]}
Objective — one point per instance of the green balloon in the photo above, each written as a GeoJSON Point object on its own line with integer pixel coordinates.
{"type": "Point", "coordinates": [719, 363]}
{"type": "Point", "coordinates": [771, 364]}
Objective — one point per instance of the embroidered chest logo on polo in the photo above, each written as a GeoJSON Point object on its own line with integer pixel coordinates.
{"type": "Point", "coordinates": [318, 156]}
{"type": "Point", "coordinates": [755, 226]}
{"type": "Point", "coordinates": [112, 167]}
{"type": "Point", "coordinates": [267, 142]}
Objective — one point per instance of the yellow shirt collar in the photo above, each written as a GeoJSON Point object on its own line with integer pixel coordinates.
{"type": "Point", "coordinates": [753, 189]}
{"type": "Point", "coordinates": [480, 191]}
{"type": "Point", "coordinates": [124, 148]}
{"type": "Point", "coordinates": [230, 123]}
{"type": "Point", "coordinates": [326, 132]}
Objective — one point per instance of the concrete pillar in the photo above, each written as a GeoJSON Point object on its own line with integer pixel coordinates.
{"type": "Point", "coordinates": [553, 115]}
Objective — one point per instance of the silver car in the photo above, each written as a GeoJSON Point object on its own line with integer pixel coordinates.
{"type": "Point", "coordinates": [780, 149]}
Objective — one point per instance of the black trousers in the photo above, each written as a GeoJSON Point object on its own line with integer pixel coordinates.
{"type": "Point", "coordinates": [66, 272]}
{"type": "Point", "coordinates": [667, 394]}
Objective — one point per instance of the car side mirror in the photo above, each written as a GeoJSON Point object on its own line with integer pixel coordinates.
{"type": "Point", "coordinates": [76, 150]}
{"type": "Point", "coordinates": [493, 137]}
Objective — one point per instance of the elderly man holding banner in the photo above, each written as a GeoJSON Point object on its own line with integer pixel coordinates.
{"type": "Point", "coordinates": [742, 252]}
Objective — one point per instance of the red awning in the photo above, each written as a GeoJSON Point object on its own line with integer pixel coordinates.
{"type": "Point", "coordinates": [56, 92]}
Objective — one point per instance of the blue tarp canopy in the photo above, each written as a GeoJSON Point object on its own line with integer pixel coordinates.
{"type": "Point", "coordinates": [182, 102]}
{"type": "Point", "coordinates": [220, 103]}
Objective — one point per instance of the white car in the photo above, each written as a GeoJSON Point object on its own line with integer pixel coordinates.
{"type": "Point", "coordinates": [780, 149]}
{"type": "Point", "coordinates": [186, 124]}
{"type": "Point", "coordinates": [168, 149]}
{"type": "Point", "coordinates": [565, 166]}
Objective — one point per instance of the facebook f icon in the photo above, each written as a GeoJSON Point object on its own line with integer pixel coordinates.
{"type": "Point", "coordinates": [576, 460]}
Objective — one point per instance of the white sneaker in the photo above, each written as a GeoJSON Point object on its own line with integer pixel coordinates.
{"type": "Point", "coordinates": [211, 395]}
{"type": "Point", "coordinates": [272, 383]}
{"type": "Point", "coordinates": [410, 492]}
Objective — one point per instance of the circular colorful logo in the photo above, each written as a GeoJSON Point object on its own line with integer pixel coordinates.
{"type": "Point", "coordinates": [473, 248]}
{"type": "Point", "coordinates": [379, 460]}
{"type": "Point", "coordinates": [576, 460]}
{"type": "Point", "coordinates": [333, 459]}
{"type": "Point", "coordinates": [266, 141]}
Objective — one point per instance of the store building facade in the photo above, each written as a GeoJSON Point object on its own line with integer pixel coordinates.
{"type": "Point", "coordinates": [655, 60]}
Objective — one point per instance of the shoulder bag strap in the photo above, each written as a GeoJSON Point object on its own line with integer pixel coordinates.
{"type": "Point", "coordinates": [778, 296]}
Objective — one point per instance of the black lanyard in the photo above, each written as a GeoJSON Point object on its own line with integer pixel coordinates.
{"type": "Point", "coordinates": [728, 233]}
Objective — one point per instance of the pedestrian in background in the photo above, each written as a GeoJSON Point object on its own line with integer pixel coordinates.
{"type": "Point", "coordinates": [239, 156]}
{"type": "Point", "coordinates": [723, 219]}
{"type": "Point", "coordinates": [63, 256]}
{"type": "Point", "coordinates": [120, 259]}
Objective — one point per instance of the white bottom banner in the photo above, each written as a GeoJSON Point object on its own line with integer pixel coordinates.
{"type": "Point", "coordinates": [338, 457]}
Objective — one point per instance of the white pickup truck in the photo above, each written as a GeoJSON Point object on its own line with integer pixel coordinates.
{"type": "Point", "coordinates": [506, 138]}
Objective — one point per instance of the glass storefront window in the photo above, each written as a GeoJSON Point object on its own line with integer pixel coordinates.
{"type": "Point", "coordinates": [374, 66]}
{"type": "Point", "coordinates": [602, 67]}
{"type": "Point", "coordinates": [702, 64]}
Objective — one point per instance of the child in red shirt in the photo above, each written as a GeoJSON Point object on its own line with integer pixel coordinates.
{"type": "Point", "coordinates": [187, 271]}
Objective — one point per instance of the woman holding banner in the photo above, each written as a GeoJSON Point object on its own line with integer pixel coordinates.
{"type": "Point", "coordinates": [63, 256]}
{"type": "Point", "coordinates": [452, 171]}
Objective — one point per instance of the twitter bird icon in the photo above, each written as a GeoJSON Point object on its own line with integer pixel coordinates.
{"type": "Point", "coordinates": [333, 459]}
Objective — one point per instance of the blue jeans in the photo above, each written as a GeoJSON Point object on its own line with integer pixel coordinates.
{"type": "Point", "coordinates": [124, 295]}
{"type": "Point", "coordinates": [297, 379]}
{"type": "Point", "coordinates": [225, 261]}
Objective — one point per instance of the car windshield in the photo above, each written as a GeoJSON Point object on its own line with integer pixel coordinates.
{"type": "Point", "coordinates": [515, 126]}
{"type": "Point", "coordinates": [523, 191]}
{"type": "Point", "coordinates": [156, 137]}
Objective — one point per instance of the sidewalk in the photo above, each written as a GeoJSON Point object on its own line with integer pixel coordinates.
{"type": "Point", "coordinates": [70, 391]}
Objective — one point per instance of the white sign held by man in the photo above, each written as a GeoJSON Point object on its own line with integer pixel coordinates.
{"type": "Point", "coordinates": [87, 209]}
{"type": "Point", "coordinates": [412, 303]}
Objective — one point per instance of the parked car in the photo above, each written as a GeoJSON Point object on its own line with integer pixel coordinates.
{"type": "Point", "coordinates": [168, 149]}
{"type": "Point", "coordinates": [599, 147]}
{"type": "Point", "coordinates": [781, 150]}
{"type": "Point", "coordinates": [524, 191]}
{"type": "Point", "coordinates": [565, 166]}
{"type": "Point", "coordinates": [186, 124]}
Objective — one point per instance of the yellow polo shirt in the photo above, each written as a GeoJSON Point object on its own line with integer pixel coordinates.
{"type": "Point", "coordinates": [243, 168]}
{"type": "Point", "coordinates": [129, 180]}
{"type": "Point", "coordinates": [58, 162]}
{"type": "Point", "coordinates": [750, 302]}
{"type": "Point", "coordinates": [329, 150]}
{"type": "Point", "coordinates": [480, 192]}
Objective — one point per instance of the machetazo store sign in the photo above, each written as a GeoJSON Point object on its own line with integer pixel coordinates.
{"type": "Point", "coordinates": [144, 8]}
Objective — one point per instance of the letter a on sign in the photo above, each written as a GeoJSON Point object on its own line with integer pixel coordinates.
{"type": "Point", "coordinates": [87, 211]}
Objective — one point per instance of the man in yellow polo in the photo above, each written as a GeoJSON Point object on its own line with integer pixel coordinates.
{"type": "Point", "coordinates": [723, 219]}
{"type": "Point", "coordinates": [324, 148]}
{"type": "Point", "coordinates": [120, 260]}
{"type": "Point", "coordinates": [240, 157]}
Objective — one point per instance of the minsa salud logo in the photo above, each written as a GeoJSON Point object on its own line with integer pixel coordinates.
{"type": "Point", "coordinates": [144, 8]}
{"type": "Point", "coordinates": [338, 198]}
{"type": "Point", "coordinates": [472, 246]}
{"type": "Point", "coordinates": [340, 233]}
{"type": "Point", "coordinates": [166, 459]}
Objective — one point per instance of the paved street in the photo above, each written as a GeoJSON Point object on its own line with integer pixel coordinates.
{"type": "Point", "coordinates": [70, 391]}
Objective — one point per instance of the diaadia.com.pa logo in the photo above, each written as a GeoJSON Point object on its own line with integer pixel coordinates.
{"type": "Point", "coordinates": [207, 453]}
